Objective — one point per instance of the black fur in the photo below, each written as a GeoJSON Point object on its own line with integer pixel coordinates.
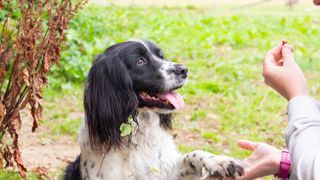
{"type": "Point", "coordinates": [109, 99]}
{"type": "Point", "coordinates": [166, 121]}
{"type": "Point", "coordinates": [73, 171]}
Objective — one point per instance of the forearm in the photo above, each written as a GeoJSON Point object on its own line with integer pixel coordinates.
{"type": "Point", "coordinates": [303, 137]}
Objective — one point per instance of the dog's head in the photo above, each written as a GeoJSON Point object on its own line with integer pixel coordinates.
{"type": "Point", "coordinates": [126, 77]}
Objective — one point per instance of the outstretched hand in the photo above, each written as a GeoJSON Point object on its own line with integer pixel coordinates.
{"type": "Point", "coordinates": [263, 161]}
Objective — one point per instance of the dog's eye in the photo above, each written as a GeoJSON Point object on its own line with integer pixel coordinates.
{"type": "Point", "coordinates": [141, 61]}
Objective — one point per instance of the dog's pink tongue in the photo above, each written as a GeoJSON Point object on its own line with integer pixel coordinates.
{"type": "Point", "coordinates": [174, 98]}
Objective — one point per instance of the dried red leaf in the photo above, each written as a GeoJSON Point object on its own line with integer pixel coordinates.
{"type": "Point", "coordinates": [46, 63]}
{"type": "Point", "coordinates": [18, 159]}
{"type": "Point", "coordinates": [14, 128]}
{"type": "Point", "coordinates": [15, 124]}
{"type": "Point", "coordinates": [7, 156]}
{"type": "Point", "coordinates": [25, 76]}
{"type": "Point", "coordinates": [45, 80]}
{"type": "Point", "coordinates": [2, 74]}
{"type": "Point", "coordinates": [1, 161]}
{"type": "Point", "coordinates": [36, 114]}
{"type": "Point", "coordinates": [35, 101]}
{"type": "Point", "coordinates": [42, 173]}
{"type": "Point", "coordinates": [1, 5]}
{"type": "Point", "coordinates": [5, 55]}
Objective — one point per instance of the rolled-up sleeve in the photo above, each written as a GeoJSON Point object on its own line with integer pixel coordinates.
{"type": "Point", "coordinates": [303, 137]}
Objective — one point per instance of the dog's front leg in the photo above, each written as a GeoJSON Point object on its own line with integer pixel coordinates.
{"type": "Point", "coordinates": [184, 171]}
{"type": "Point", "coordinates": [203, 165]}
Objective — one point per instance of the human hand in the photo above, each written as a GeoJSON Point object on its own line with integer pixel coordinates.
{"type": "Point", "coordinates": [282, 73]}
{"type": "Point", "coordinates": [264, 160]}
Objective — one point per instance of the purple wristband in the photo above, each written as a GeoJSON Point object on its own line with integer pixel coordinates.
{"type": "Point", "coordinates": [285, 164]}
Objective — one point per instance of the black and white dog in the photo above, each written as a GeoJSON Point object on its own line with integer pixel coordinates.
{"type": "Point", "coordinates": [132, 83]}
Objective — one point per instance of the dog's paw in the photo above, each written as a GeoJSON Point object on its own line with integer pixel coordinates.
{"type": "Point", "coordinates": [221, 167]}
{"type": "Point", "coordinates": [211, 166]}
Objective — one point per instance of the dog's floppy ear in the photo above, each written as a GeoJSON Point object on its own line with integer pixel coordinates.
{"type": "Point", "coordinates": [109, 100]}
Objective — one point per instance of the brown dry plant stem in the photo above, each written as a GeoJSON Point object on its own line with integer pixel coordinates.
{"type": "Point", "coordinates": [32, 33]}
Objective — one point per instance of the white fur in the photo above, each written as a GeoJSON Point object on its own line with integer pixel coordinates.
{"type": "Point", "coordinates": [170, 78]}
{"type": "Point", "coordinates": [151, 155]}
{"type": "Point", "coordinates": [140, 160]}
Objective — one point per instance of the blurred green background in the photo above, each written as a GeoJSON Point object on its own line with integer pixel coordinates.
{"type": "Point", "coordinates": [222, 44]}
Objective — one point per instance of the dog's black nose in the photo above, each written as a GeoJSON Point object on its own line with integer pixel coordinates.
{"type": "Point", "coordinates": [181, 70]}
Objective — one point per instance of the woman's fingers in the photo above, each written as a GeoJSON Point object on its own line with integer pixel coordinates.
{"type": "Point", "coordinates": [248, 145]}
{"type": "Point", "coordinates": [273, 55]}
{"type": "Point", "coordinates": [276, 51]}
{"type": "Point", "coordinates": [287, 54]}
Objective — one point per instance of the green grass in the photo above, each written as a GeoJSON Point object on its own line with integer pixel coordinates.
{"type": "Point", "coordinates": [12, 175]}
{"type": "Point", "coordinates": [196, 115]}
{"type": "Point", "coordinates": [9, 175]}
{"type": "Point", "coordinates": [63, 112]}
{"type": "Point", "coordinates": [227, 40]}
{"type": "Point", "coordinates": [225, 94]}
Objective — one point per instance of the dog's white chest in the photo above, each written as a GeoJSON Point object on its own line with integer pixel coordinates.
{"type": "Point", "coordinates": [153, 154]}
{"type": "Point", "coordinates": [151, 161]}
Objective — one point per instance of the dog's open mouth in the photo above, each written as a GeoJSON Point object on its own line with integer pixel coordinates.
{"type": "Point", "coordinates": [169, 100]}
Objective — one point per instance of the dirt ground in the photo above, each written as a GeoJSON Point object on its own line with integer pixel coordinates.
{"type": "Point", "coordinates": [38, 151]}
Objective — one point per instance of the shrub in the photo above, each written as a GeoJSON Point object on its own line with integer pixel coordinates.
{"type": "Point", "coordinates": [31, 38]}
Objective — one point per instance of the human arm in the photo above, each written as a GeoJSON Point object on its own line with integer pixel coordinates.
{"type": "Point", "coordinates": [303, 131]}
{"type": "Point", "coordinates": [303, 137]}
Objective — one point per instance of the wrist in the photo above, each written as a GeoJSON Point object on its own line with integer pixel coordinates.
{"type": "Point", "coordinates": [302, 91]}
{"type": "Point", "coordinates": [271, 163]}
{"type": "Point", "coordinates": [274, 164]}
{"type": "Point", "coordinates": [293, 95]}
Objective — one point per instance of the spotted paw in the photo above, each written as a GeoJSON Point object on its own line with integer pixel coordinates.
{"type": "Point", "coordinates": [220, 167]}
{"type": "Point", "coordinates": [209, 166]}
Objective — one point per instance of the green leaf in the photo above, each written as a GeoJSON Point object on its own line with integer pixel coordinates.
{"type": "Point", "coordinates": [154, 170]}
{"type": "Point", "coordinates": [125, 129]}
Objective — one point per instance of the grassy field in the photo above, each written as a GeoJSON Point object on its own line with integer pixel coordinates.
{"type": "Point", "coordinates": [226, 98]}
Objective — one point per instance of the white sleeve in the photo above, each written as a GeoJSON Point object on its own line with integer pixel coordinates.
{"type": "Point", "coordinates": [303, 137]}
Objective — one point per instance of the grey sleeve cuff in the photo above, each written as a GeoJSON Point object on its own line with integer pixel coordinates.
{"type": "Point", "coordinates": [301, 109]}
{"type": "Point", "coordinates": [302, 106]}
